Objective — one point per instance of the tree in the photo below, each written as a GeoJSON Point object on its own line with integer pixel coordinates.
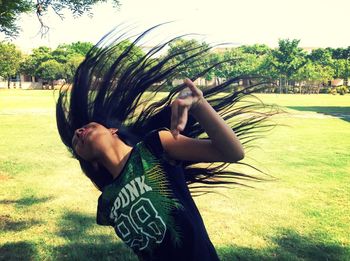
{"type": "Point", "coordinates": [315, 74]}
{"type": "Point", "coordinates": [242, 64]}
{"type": "Point", "coordinates": [69, 56]}
{"type": "Point", "coordinates": [317, 71]}
{"type": "Point", "coordinates": [347, 65]}
{"type": "Point", "coordinates": [71, 66]}
{"type": "Point", "coordinates": [81, 47]}
{"type": "Point", "coordinates": [32, 62]}
{"type": "Point", "coordinates": [183, 51]}
{"type": "Point", "coordinates": [51, 70]}
{"type": "Point", "coordinates": [321, 56]}
{"type": "Point", "coordinates": [257, 49]}
{"type": "Point", "coordinates": [64, 51]}
{"type": "Point", "coordinates": [10, 59]}
{"type": "Point", "coordinates": [238, 64]}
{"type": "Point", "coordinates": [342, 63]}
{"type": "Point", "coordinates": [288, 58]}
{"type": "Point", "coordinates": [10, 11]}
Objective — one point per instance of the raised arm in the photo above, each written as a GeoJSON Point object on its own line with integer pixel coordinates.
{"type": "Point", "coordinates": [223, 144]}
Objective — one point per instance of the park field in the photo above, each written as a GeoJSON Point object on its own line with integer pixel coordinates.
{"type": "Point", "coordinates": [301, 211]}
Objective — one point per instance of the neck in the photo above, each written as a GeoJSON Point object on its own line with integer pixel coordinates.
{"type": "Point", "coordinates": [115, 159]}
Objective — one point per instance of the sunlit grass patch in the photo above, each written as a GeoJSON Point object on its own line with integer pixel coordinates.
{"type": "Point", "coordinates": [300, 212]}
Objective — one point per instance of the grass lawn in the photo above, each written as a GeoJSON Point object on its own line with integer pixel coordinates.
{"type": "Point", "coordinates": [47, 206]}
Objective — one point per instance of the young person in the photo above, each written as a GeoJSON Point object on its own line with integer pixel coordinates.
{"type": "Point", "coordinates": [142, 152]}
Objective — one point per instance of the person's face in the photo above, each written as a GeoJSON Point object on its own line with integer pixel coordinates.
{"type": "Point", "coordinates": [91, 141]}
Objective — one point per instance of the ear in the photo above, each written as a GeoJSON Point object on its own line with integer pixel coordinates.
{"type": "Point", "coordinates": [113, 131]}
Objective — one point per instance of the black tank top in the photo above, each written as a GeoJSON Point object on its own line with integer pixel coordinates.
{"type": "Point", "coordinates": [151, 209]}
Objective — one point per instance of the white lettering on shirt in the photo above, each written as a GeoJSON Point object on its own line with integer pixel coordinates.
{"type": "Point", "coordinates": [129, 193]}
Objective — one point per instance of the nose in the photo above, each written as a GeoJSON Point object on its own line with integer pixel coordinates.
{"type": "Point", "coordinates": [79, 132]}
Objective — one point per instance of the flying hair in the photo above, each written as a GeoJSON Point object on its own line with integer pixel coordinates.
{"type": "Point", "coordinates": [120, 87]}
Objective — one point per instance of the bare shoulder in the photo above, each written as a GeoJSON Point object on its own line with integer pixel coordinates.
{"type": "Point", "coordinates": [189, 149]}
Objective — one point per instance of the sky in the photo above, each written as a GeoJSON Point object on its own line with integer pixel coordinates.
{"type": "Point", "coordinates": [316, 23]}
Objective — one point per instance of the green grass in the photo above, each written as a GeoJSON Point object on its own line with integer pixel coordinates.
{"type": "Point", "coordinates": [47, 206]}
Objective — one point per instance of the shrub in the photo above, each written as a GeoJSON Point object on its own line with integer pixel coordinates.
{"type": "Point", "coordinates": [324, 90]}
{"type": "Point", "coordinates": [332, 90]}
{"type": "Point", "coordinates": [342, 90]}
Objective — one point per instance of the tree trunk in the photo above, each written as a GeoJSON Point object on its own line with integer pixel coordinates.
{"type": "Point", "coordinates": [280, 85]}
{"type": "Point", "coordinates": [318, 88]}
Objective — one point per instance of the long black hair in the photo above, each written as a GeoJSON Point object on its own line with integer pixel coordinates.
{"type": "Point", "coordinates": [117, 87]}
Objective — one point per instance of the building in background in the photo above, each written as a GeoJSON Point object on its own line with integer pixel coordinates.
{"type": "Point", "coordinates": [21, 81]}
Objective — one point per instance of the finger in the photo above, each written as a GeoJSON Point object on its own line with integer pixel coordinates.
{"type": "Point", "coordinates": [174, 117]}
{"type": "Point", "coordinates": [192, 86]}
{"type": "Point", "coordinates": [179, 117]}
{"type": "Point", "coordinates": [184, 93]}
{"type": "Point", "coordinates": [185, 102]}
{"type": "Point", "coordinates": [183, 119]}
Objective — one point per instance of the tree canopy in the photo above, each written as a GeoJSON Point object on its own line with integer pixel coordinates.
{"type": "Point", "coordinates": [288, 58]}
{"type": "Point", "coordinates": [10, 58]}
{"type": "Point", "coordinates": [183, 52]}
{"type": "Point", "coordinates": [51, 70]}
{"type": "Point", "coordinates": [60, 62]}
{"type": "Point", "coordinates": [10, 11]}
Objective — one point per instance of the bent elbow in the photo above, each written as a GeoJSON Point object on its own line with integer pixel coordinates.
{"type": "Point", "coordinates": [237, 156]}
{"type": "Point", "coordinates": [241, 155]}
{"type": "Point", "coordinates": [230, 155]}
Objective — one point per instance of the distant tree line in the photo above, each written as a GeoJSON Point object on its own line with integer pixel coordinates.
{"type": "Point", "coordinates": [43, 63]}
{"type": "Point", "coordinates": [289, 68]}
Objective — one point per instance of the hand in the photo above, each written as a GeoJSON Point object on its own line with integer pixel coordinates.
{"type": "Point", "coordinates": [187, 99]}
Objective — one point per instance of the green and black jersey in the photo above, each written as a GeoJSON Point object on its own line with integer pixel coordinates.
{"type": "Point", "coordinates": [151, 209]}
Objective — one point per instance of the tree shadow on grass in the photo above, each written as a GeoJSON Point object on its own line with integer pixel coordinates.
{"type": "Point", "coordinates": [73, 225]}
{"type": "Point", "coordinates": [18, 251]}
{"type": "Point", "coordinates": [286, 245]}
{"type": "Point", "coordinates": [8, 224]}
{"type": "Point", "coordinates": [26, 201]}
{"type": "Point", "coordinates": [335, 111]}
{"type": "Point", "coordinates": [84, 246]}
{"type": "Point", "coordinates": [289, 246]}
{"type": "Point", "coordinates": [103, 248]}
